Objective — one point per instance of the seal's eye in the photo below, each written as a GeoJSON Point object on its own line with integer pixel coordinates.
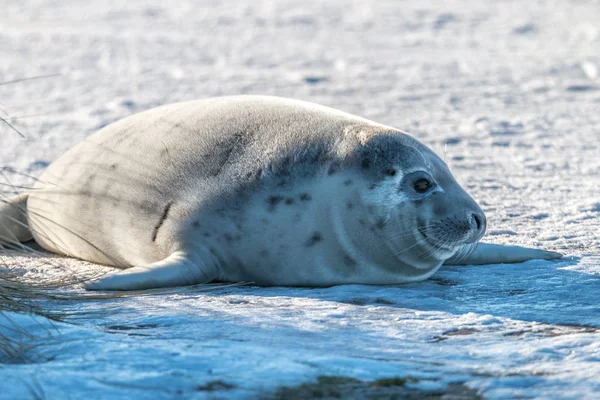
{"type": "Point", "coordinates": [418, 184]}
{"type": "Point", "coordinates": [422, 185]}
{"type": "Point", "coordinates": [390, 172]}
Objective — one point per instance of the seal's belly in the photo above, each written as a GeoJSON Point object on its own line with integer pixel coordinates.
{"type": "Point", "coordinates": [289, 237]}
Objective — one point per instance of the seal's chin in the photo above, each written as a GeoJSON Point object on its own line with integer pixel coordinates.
{"type": "Point", "coordinates": [439, 248]}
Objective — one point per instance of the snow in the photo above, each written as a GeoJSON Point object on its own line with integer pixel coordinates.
{"type": "Point", "coordinates": [508, 92]}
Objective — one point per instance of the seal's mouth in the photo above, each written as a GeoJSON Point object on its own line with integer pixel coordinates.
{"type": "Point", "coordinates": [436, 244]}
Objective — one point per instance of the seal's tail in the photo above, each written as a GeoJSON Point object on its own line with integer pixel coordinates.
{"type": "Point", "coordinates": [13, 221]}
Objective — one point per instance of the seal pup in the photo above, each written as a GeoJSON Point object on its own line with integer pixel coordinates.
{"type": "Point", "coordinates": [253, 188]}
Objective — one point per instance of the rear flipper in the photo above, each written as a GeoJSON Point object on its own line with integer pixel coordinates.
{"type": "Point", "coordinates": [485, 253]}
{"type": "Point", "coordinates": [179, 269]}
{"type": "Point", "coordinates": [13, 221]}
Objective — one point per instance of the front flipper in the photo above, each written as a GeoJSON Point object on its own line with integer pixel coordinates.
{"type": "Point", "coordinates": [485, 253]}
{"type": "Point", "coordinates": [179, 269]}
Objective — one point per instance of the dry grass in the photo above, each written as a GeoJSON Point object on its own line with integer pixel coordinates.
{"type": "Point", "coordinates": [57, 297]}
{"type": "Point", "coordinates": [16, 296]}
{"type": "Point", "coordinates": [24, 296]}
{"type": "Point", "coordinates": [20, 298]}
{"type": "Point", "coordinates": [19, 294]}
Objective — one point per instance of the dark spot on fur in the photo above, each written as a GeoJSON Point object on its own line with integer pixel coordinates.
{"type": "Point", "coordinates": [380, 224]}
{"type": "Point", "coordinates": [196, 224]}
{"type": "Point", "coordinates": [228, 237]}
{"type": "Point", "coordinates": [164, 216]}
{"type": "Point", "coordinates": [206, 234]}
{"type": "Point", "coordinates": [349, 261]}
{"type": "Point", "coordinates": [349, 205]}
{"type": "Point", "coordinates": [289, 201]}
{"type": "Point", "coordinates": [264, 253]}
{"type": "Point", "coordinates": [113, 166]}
{"type": "Point", "coordinates": [373, 186]}
{"type": "Point", "coordinates": [366, 163]}
{"type": "Point", "coordinates": [314, 239]}
{"type": "Point", "coordinates": [362, 222]}
{"type": "Point", "coordinates": [89, 180]}
{"type": "Point", "coordinates": [333, 168]}
{"type": "Point", "coordinates": [273, 201]}
{"type": "Point", "coordinates": [264, 221]}
{"type": "Point", "coordinates": [348, 182]}
{"type": "Point", "coordinates": [305, 197]}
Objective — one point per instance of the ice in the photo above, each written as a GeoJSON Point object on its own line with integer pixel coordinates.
{"type": "Point", "coordinates": [507, 92]}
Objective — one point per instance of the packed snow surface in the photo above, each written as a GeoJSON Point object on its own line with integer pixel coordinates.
{"type": "Point", "coordinates": [507, 92]}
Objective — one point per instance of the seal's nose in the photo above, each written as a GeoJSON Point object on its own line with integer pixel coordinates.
{"type": "Point", "coordinates": [477, 224]}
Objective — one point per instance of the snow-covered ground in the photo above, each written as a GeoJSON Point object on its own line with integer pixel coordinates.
{"type": "Point", "coordinates": [508, 91]}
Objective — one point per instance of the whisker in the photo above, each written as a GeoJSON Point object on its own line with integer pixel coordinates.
{"type": "Point", "coordinates": [435, 244]}
{"type": "Point", "coordinates": [471, 250]}
{"type": "Point", "coordinates": [411, 233]}
{"type": "Point", "coordinates": [420, 241]}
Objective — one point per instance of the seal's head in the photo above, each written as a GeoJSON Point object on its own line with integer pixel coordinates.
{"type": "Point", "coordinates": [414, 203]}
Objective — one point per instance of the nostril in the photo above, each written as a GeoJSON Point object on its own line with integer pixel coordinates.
{"type": "Point", "coordinates": [477, 220]}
